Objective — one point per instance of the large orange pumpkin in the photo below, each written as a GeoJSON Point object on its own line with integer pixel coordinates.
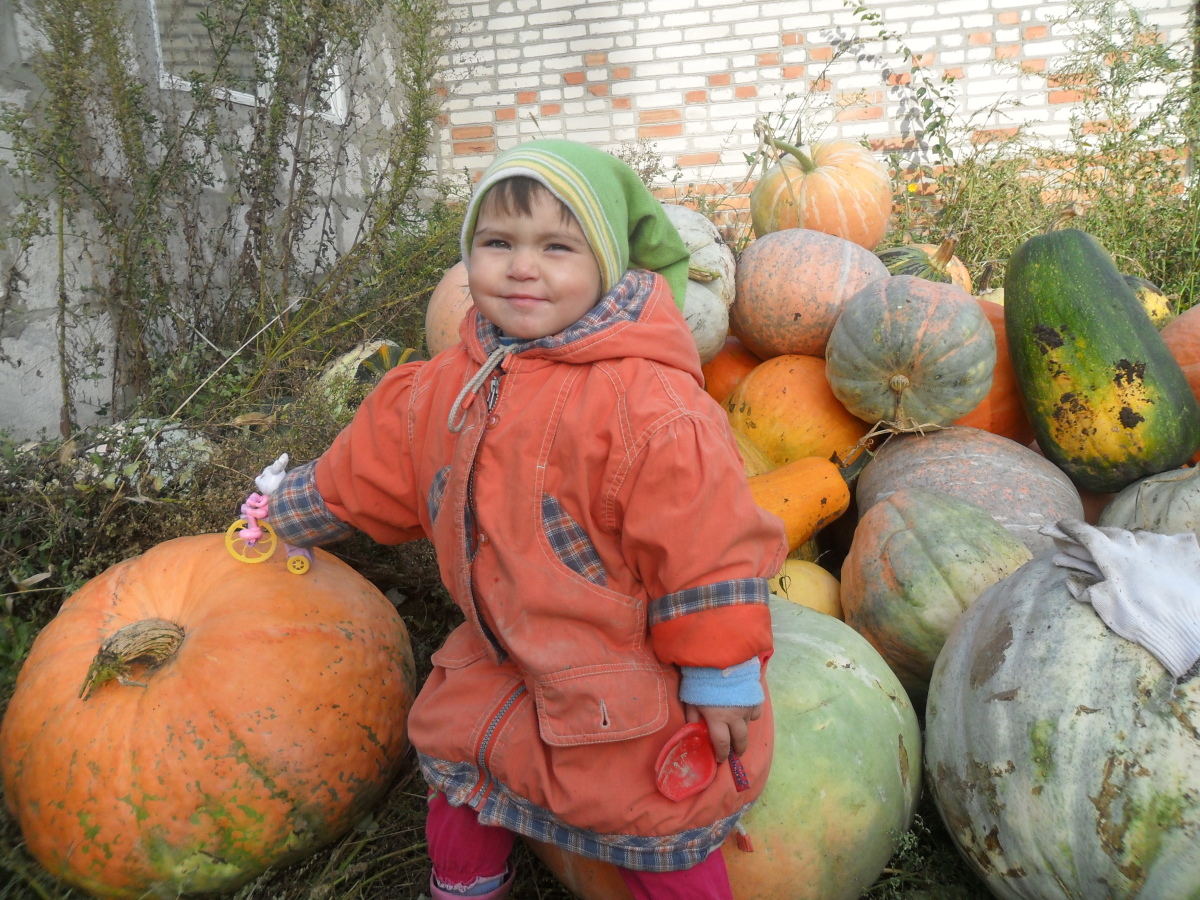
{"type": "Point", "coordinates": [448, 304]}
{"type": "Point", "coordinates": [786, 408]}
{"type": "Point", "coordinates": [791, 286]}
{"type": "Point", "coordinates": [1000, 412]}
{"type": "Point", "coordinates": [274, 719]}
{"type": "Point", "coordinates": [840, 188]}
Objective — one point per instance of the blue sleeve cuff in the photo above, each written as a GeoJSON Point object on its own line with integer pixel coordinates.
{"type": "Point", "coordinates": [738, 685]}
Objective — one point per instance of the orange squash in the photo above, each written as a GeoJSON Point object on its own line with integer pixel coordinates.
{"type": "Point", "coordinates": [839, 188]}
{"type": "Point", "coordinates": [807, 494]}
{"type": "Point", "coordinates": [786, 408]}
{"type": "Point", "coordinates": [272, 721]}
{"type": "Point", "coordinates": [1182, 337]}
{"type": "Point", "coordinates": [448, 304]}
{"type": "Point", "coordinates": [809, 584]}
{"type": "Point", "coordinates": [723, 372]}
{"type": "Point", "coordinates": [1000, 412]}
{"type": "Point", "coordinates": [791, 286]}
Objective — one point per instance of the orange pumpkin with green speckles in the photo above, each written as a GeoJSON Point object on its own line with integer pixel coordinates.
{"type": "Point", "coordinates": [272, 721]}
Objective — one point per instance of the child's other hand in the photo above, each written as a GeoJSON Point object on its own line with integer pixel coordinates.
{"type": "Point", "coordinates": [728, 726]}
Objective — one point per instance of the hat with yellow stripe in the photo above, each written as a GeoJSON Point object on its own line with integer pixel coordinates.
{"type": "Point", "coordinates": [622, 221]}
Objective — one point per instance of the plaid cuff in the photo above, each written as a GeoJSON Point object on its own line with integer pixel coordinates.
{"type": "Point", "coordinates": [299, 515]}
{"type": "Point", "coordinates": [735, 592]}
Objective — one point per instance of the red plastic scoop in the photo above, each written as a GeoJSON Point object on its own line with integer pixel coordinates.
{"type": "Point", "coordinates": [687, 764]}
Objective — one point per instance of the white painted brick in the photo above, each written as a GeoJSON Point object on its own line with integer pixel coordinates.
{"type": "Point", "coordinates": [915, 11]}
{"type": "Point", "coordinates": [542, 19]}
{"type": "Point", "coordinates": [1008, 35]}
{"type": "Point", "coordinates": [726, 47]}
{"type": "Point", "coordinates": [957, 7]}
{"type": "Point", "coordinates": [743, 12]}
{"type": "Point", "coordinates": [656, 69]}
{"type": "Point", "coordinates": [544, 50]}
{"type": "Point", "coordinates": [612, 26]}
{"type": "Point", "coordinates": [1045, 48]}
{"type": "Point", "coordinates": [706, 33]}
{"type": "Point", "coordinates": [978, 23]}
{"type": "Point", "coordinates": [506, 23]}
{"type": "Point", "coordinates": [706, 65]}
{"type": "Point", "coordinates": [683, 83]}
{"type": "Point", "coordinates": [592, 45]}
{"type": "Point", "coordinates": [805, 23]}
{"type": "Point", "coordinates": [628, 57]}
{"type": "Point", "coordinates": [564, 33]}
{"type": "Point", "coordinates": [757, 27]}
{"type": "Point", "coordinates": [519, 84]}
{"type": "Point", "coordinates": [938, 26]}
{"type": "Point", "coordinates": [628, 88]}
{"type": "Point", "coordinates": [686, 20]}
{"type": "Point", "coordinates": [656, 38]}
{"type": "Point", "coordinates": [598, 11]}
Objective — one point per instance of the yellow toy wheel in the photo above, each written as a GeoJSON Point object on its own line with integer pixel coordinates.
{"type": "Point", "coordinates": [246, 552]}
{"type": "Point", "coordinates": [298, 564]}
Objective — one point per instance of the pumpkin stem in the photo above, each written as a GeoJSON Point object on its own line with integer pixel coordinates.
{"type": "Point", "coordinates": [700, 273]}
{"type": "Point", "coordinates": [152, 639]}
{"type": "Point", "coordinates": [945, 253]}
{"type": "Point", "coordinates": [1066, 214]}
{"type": "Point", "coordinates": [803, 158]}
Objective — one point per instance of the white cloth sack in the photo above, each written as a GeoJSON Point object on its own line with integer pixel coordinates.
{"type": "Point", "coordinates": [1144, 585]}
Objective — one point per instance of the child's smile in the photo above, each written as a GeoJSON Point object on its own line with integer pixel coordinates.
{"type": "Point", "coordinates": [534, 275]}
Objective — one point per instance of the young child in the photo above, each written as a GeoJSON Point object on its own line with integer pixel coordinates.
{"type": "Point", "coordinates": [592, 521]}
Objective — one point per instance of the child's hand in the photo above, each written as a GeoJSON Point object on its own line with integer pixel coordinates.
{"type": "Point", "coordinates": [728, 726]}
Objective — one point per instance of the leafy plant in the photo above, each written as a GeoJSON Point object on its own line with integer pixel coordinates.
{"type": "Point", "coordinates": [206, 230]}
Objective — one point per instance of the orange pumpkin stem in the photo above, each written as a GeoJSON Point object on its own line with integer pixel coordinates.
{"type": "Point", "coordinates": [155, 640]}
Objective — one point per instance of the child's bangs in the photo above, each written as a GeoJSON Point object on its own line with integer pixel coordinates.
{"type": "Point", "coordinates": [517, 195]}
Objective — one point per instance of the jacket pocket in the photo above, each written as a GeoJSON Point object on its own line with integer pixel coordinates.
{"type": "Point", "coordinates": [600, 704]}
{"type": "Point", "coordinates": [460, 649]}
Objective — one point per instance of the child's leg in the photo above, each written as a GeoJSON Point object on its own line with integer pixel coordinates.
{"type": "Point", "coordinates": [469, 859]}
{"type": "Point", "coordinates": [706, 881]}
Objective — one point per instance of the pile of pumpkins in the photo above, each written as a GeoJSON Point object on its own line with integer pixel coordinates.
{"type": "Point", "coordinates": [1063, 758]}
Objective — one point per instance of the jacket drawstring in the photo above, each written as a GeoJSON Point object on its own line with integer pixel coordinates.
{"type": "Point", "coordinates": [458, 416]}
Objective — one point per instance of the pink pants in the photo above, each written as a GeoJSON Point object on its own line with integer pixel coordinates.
{"type": "Point", "coordinates": [463, 850]}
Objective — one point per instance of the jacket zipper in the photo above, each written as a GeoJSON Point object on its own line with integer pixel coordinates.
{"type": "Point", "coordinates": [485, 745]}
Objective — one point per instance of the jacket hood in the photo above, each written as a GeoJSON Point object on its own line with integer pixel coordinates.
{"type": "Point", "coordinates": [637, 318]}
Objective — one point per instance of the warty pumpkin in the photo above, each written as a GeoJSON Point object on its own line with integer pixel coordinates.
{"type": "Point", "coordinates": [785, 407]}
{"type": "Point", "coordinates": [791, 286]}
{"type": "Point", "coordinates": [911, 353]}
{"type": "Point", "coordinates": [236, 717]}
{"type": "Point", "coordinates": [838, 188]}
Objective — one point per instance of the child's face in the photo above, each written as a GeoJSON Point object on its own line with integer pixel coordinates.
{"type": "Point", "coordinates": [531, 276]}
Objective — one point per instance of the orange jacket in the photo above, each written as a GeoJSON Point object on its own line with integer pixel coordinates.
{"type": "Point", "coordinates": [593, 523]}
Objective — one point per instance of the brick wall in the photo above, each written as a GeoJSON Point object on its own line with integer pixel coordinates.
{"type": "Point", "coordinates": [692, 76]}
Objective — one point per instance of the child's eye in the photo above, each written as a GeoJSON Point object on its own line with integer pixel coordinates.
{"type": "Point", "coordinates": [496, 243]}
{"type": "Point", "coordinates": [560, 247]}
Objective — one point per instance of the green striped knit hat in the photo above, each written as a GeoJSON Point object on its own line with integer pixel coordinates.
{"type": "Point", "coordinates": [623, 222]}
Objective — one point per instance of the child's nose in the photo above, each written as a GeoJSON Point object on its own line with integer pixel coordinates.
{"type": "Point", "coordinates": [524, 264]}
